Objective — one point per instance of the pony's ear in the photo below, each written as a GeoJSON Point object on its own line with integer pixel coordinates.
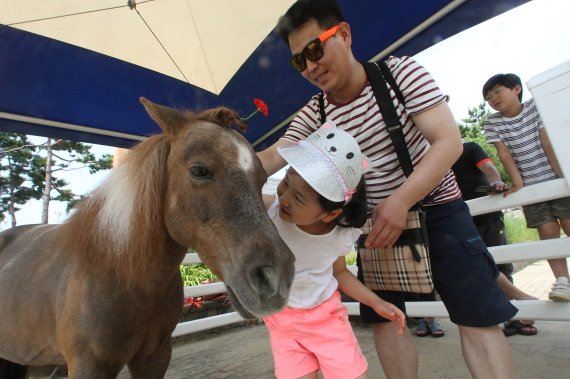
{"type": "Point", "coordinates": [169, 120]}
{"type": "Point", "coordinates": [223, 116]}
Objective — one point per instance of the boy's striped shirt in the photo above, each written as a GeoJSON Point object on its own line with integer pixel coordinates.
{"type": "Point", "coordinates": [520, 135]}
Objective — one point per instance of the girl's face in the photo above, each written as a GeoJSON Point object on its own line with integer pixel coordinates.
{"type": "Point", "coordinates": [299, 204]}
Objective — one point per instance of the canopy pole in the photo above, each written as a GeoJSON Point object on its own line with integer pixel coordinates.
{"type": "Point", "coordinates": [418, 29]}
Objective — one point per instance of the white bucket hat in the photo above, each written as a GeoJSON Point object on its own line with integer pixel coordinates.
{"type": "Point", "coordinates": [329, 160]}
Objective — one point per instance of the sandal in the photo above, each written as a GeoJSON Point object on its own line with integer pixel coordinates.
{"type": "Point", "coordinates": [509, 329]}
{"type": "Point", "coordinates": [422, 329]}
{"type": "Point", "coordinates": [513, 327]}
{"type": "Point", "coordinates": [436, 329]}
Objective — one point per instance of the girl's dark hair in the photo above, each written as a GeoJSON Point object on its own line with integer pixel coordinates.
{"type": "Point", "coordinates": [354, 212]}
{"type": "Point", "coordinates": [327, 13]}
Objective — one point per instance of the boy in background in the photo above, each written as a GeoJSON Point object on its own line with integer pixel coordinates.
{"type": "Point", "coordinates": [518, 134]}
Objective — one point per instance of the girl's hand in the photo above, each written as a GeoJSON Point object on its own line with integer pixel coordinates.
{"type": "Point", "coordinates": [391, 312]}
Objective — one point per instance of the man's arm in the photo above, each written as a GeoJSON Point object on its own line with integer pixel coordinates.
{"type": "Point", "coordinates": [271, 159]}
{"type": "Point", "coordinates": [440, 129]}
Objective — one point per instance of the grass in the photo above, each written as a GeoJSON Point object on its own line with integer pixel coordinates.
{"type": "Point", "coordinates": [195, 274]}
{"type": "Point", "coordinates": [517, 231]}
{"type": "Point", "coordinates": [515, 227]}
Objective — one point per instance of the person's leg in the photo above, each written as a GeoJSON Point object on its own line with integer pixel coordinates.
{"type": "Point", "coordinates": [429, 324]}
{"type": "Point", "coordinates": [512, 291]}
{"type": "Point", "coordinates": [312, 375]}
{"type": "Point", "coordinates": [551, 230]}
{"type": "Point", "coordinates": [465, 276]}
{"type": "Point", "coordinates": [507, 269]}
{"type": "Point", "coordinates": [513, 327]}
{"type": "Point", "coordinates": [491, 228]}
{"type": "Point", "coordinates": [565, 225]}
{"type": "Point", "coordinates": [486, 352]}
{"type": "Point", "coordinates": [397, 354]}
{"type": "Point", "coordinates": [544, 216]}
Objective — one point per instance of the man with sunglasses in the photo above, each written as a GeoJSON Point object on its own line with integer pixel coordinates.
{"type": "Point", "coordinates": [464, 272]}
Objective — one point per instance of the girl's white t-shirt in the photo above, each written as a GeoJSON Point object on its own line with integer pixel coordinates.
{"type": "Point", "coordinates": [314, 257]}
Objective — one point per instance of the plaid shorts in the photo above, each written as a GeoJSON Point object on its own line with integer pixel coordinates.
{"type": "Point", "coordinates": [547, 211]}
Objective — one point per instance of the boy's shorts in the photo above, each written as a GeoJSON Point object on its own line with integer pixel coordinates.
{"type": "Point", "coordinates": [547, 211]}
{"type": "Point", "coordinates": [319, 338]}
{"type": "Point", "coordinates": [464, 272]}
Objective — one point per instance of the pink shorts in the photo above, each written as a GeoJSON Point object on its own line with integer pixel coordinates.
{"type": "Point", "coordinates": [306, 340]}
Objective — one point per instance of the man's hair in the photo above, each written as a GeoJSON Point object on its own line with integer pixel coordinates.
{"type": "Point", "coordinates": [505, 80]}
{"type": "Point", "coordinates": [327, 13]}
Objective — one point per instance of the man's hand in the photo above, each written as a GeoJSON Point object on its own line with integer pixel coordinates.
{"type": "Point", "coordinates": [388, 221]}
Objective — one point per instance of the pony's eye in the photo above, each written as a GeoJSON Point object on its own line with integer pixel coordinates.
{"type": "Point", "coordinates": [200, 172]}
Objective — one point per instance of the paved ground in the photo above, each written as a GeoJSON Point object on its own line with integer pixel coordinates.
{"type": "Point", "coordinates": [244, 352]}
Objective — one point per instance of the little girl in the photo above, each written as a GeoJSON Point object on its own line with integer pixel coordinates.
{"type": "Point", "coordinates": [319, 205]}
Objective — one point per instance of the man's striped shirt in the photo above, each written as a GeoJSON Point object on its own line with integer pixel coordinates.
{"type": "Point", "coordinates": [362, 119]}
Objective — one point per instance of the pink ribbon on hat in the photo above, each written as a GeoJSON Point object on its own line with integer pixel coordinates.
{"type": "Point", "coordinates": [347, 192]}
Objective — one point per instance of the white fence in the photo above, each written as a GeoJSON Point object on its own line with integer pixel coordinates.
{"type": "Point", "coordinates": [551, 91]}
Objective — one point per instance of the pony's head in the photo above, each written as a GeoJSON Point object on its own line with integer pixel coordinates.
{"type": "Point", "coordinates": [212, 203]}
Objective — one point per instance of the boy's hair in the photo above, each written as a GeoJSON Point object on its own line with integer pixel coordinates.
{"type": "Point", "coordinates": [354, 212]}
{"type": "Point", "coordinates": [505, 80]}
{"type": "Point", "coordinates": [327, 13]}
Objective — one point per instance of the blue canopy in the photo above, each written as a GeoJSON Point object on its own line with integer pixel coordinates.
{"type": "Point", "coordinates": [52, 88]}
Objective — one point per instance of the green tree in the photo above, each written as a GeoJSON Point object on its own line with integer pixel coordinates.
{"type": "Point", "coordinates": [20, 179]}
{"type": "Point", "coordinates": [32, 171]}
{"type": "Point", "coordinates": [471, 129]}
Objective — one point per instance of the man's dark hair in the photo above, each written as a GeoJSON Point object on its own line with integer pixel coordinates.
{"type": "Point", "coordinates": [505, 80]}
{"type": "Point", "coordinates": [327, 13]}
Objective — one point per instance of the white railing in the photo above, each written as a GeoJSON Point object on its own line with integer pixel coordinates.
{"type": "Point", "coordinates": [536, 250]}
{"type": "Point", "coordinates": [551, 91]}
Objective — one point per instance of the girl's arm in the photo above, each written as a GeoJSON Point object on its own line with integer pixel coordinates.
{"type": "Point", "coordinates": [510, 166]}
{"type": "Point", "coordinates": [351, 286]}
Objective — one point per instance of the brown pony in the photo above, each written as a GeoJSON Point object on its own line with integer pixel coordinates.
{"type": "Point", "coordinates": [104, 289]}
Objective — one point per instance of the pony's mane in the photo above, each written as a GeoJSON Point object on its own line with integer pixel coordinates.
{"type": "Point", "coordinates": [122, 219]}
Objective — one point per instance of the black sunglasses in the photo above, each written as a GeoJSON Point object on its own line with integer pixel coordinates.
{"type": "Point", "coordinates": [313, 51]}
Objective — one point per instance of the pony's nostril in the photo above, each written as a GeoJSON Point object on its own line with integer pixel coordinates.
{"type": "Point", "coordinates": [264, 280]}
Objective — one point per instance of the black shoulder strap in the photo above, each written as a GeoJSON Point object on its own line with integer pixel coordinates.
{"type": "Point", "coordinates": [322, 107]}
{"type": "Point", "coordinates": [391, 119]}
{"type": "Point", "coordinates": [390, 79]}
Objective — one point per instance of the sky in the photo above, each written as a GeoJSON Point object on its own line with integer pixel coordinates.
{"type": "Point", "coordinates": [527, 41]}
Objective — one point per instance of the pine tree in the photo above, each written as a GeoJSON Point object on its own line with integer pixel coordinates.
{"type": "Point", "coordinates": [30, 171]}
{"type": "Point", "coordinates": [471, 129]}
{"type": "Point", "coordinates": [19, 175]}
